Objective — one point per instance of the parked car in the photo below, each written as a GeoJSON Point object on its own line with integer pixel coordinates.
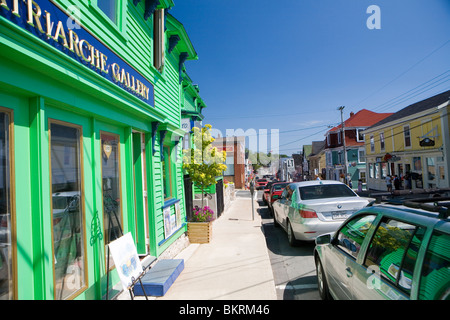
{"type": "Point", "coordinates": [309, 209]}
{"type": "Point", "coordinates": [266, 189]}
{"type": "Point", "coordinates": [276, 189]}
{"type": "Point", "coordinates": [387, 252]}
{"type": "Point", "coordinates": [260, 183]}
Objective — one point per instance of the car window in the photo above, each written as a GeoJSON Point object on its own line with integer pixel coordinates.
{"type": "Point", "coordinates": [279, 186]}
{"type": "Point", "coordinates": [325, 191]}
{"type": "Point", "coordinates": [352, 234]}
{"type": "Point", "coordinates": [393, 251]}
{"type": "Point", "coordinates": [435, 279]}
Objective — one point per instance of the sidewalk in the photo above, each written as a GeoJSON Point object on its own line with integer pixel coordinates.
{"type": "Point", "coordinates": [235, 265]}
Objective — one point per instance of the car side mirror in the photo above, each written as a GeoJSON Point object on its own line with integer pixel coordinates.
{"type": "Point", "coordinates": [323, 239]}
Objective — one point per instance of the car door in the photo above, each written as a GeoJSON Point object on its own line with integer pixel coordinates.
{"type": "Point", "coordinates": [278, 208]}
{"type": "Point", "coordinates": [341, 260]}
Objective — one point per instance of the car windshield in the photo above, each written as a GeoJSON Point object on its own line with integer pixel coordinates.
{"type": "Point", "coordinates": [279, 186]}
{"type": "Point", "coordinates": [325, 191]}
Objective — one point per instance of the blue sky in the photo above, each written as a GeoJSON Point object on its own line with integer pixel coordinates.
{"type": "Point", "coordinates": [289, 64]}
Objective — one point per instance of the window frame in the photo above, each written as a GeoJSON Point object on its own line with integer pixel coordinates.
{"type": "Point", "coordinates": [167, 179]}
{"type": "Point", "coordinates": [382, 144]}
{"type": "Point", "coordinates": [12, 202]}
{"type": "Point", "coordinates": [159, 45]}
{"type": "Point", "coordinates": [335, 241]}
{"type": "Point", "coordinates": [407, 129]}
{"type": "Point", "coordinates": [102, 132]}
{"type": "Point", "coordinates": [424, 259]}
{"type": "Point", "coordinates": [81, 206]}
{"type": "Point", "coordinates": [388, 219]}
{"type": "Point", "coordinates": [121, 16]}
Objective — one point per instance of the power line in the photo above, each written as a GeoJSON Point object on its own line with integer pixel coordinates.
{"type": "Point", "coordinates": [387, 105]}
{"type": "Point", "coordinates": [406, 71]}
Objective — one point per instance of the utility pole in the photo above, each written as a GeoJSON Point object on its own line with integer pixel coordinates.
{"type": "Point", "coordinates": [341, 108]}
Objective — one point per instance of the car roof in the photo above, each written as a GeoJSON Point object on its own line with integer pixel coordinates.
{"type": "Point", "coordinates": [315, 183]}
{"type": "Point", "coordinates": [413, 215]}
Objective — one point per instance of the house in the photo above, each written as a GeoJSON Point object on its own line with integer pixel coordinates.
{"type": "Point", "coordinates": [90, 127]}
{"type": "Point", "coordinates": [348, 156]}
{"type": "Point", "coordinates": [306, 151]}
{"type": "Point", "coordinates": [413, 143]}
{"type": "Point", "coordinates": [317, 160]}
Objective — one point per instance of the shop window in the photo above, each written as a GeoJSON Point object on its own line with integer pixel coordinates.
{"type": "Point", "coordinates": [167, 173]}
{"type": "Point", "coordinates": [112, 213]}
{"type": "Point", "coordinates": [158, 40]}
{"type": "Point", "coordinates": [7, 270]}
{"type": "Point", "coordinates": [109, 8]}
{"type": "Point", "coordinates": [67, 210]}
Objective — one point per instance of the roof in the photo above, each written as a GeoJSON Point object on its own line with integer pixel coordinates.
{"type": "Point", "coordinates": [317, 146]}
{"type": "Point", "coordinates": [363, 119]}
{"type": "Point", "coordinates": [307, 148]}
{"type": "Point", "coordinates": [417, 107]}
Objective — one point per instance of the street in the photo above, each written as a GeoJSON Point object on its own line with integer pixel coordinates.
{"type": "Point", "coordinates": [293, 267]}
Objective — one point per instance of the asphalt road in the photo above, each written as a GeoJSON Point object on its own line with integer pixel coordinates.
{"type": "Point", "coordinates": [293, 267]}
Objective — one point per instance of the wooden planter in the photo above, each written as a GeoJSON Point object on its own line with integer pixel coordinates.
{"type": "Point", "coordinates": [199, 232]}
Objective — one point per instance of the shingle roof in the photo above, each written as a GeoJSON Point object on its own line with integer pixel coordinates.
{"type": "Point", "coordinates": [417, 107]}
{"type": "Point", "coordinates": [362, 119]}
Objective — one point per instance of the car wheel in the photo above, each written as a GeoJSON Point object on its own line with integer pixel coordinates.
{"type": "Point", "coordinates": [322, 281]}
{"type": "Point", "coordinates": [290, 233]}
{"type": "Point", "coordinates": [275, 222]}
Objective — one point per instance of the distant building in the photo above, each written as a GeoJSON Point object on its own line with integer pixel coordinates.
{"type": "Point", "coordinates": [354, 127]}
{"type": "Point", "coordinates": [235, 148]}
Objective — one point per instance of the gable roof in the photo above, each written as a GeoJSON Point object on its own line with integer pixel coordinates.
{"type": "Point", "coordinates": [362, 119]}
{"type": "Point", "coordinates": [417, 107]}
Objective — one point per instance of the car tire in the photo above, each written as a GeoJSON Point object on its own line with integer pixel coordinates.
{"type": "Point", "coordinates": [322, 281]}
{"type": "Point", "coordinates": [275, 222]}
{"type": "Point", "coordinates": [291, 237]}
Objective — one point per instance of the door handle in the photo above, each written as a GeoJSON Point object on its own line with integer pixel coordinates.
{"type": "Point", "coordinates": [349, 272]}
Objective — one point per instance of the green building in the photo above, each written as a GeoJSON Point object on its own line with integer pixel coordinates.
{"type": "Point", "coordinates": [91, 99]}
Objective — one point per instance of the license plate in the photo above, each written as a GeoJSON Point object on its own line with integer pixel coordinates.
{"type": "Point", "coordinates": [338, 215]}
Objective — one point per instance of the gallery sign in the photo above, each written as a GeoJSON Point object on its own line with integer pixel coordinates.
{"type": "Point", "coordinates": [47, 21]}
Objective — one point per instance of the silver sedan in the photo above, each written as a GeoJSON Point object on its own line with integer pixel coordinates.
{"type": "Point", "coordinates": [309, 209]}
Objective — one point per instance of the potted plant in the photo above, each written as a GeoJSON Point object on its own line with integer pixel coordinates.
{"type": "Point", "coordinates": [203, 163]}
{"type": "Point", "coordinates": [200, 226]}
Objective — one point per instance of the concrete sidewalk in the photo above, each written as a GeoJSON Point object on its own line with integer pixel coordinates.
{"type": "Point", "coordinates": [235, 265]}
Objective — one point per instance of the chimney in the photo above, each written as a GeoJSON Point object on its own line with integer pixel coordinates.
{"type": "Point", "coordinates": [352, 114]}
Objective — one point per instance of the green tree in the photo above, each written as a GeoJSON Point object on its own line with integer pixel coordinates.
{"type": "Point", "coordinates": [203, 162]}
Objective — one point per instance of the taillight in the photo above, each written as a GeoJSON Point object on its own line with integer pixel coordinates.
{"type": "Point", "coordinates": [307, 213]}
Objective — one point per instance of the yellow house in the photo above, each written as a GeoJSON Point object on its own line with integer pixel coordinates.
{"type": "Point", "coordinates": [413, 143]}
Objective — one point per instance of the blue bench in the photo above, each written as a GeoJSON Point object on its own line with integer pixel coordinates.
{"type": "Point", "coordinates": [160, 277]}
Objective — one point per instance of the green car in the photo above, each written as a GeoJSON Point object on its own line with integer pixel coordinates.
{"type": "Point", "coordinates": [388, 252]}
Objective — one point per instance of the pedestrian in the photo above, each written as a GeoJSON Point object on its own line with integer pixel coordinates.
{"type": "Point", "coordinates": [396, 182]}
{"type": "Point", "coordinates": [360, 185]}
{"type": "Point", "coordinates": [407, 179]}
{"type": "Point", "coordinates": [389, 183]}
{"type": "Point", "coordinates": [350, 183]}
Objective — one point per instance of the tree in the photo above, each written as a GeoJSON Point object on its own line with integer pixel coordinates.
{"type": "Point", "coordinates": [203, 162]}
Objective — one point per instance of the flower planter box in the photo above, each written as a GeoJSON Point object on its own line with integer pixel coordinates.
{"type": "Point", "coordinates": [199, 232]}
